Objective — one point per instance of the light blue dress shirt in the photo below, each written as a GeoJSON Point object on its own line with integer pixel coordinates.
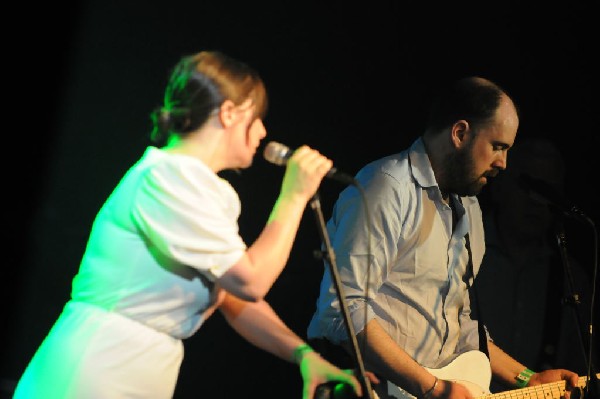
{"type": "Point", "coordinates": [410, 260]}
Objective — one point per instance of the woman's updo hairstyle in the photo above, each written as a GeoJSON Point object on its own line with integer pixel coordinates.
{"type": "Point", "coordinates": [198, 85]}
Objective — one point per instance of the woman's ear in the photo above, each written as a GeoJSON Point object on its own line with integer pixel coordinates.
{"type": "Point", "coordinates": [227, 114]}
{"type": "Point", "coordinates": [460, 132]}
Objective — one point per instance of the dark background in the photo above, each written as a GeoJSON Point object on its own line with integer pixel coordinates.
{"type": "Point", "coordinates": [353, 81]}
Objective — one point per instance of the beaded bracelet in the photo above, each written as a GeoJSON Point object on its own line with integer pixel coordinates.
{"type": "Point", "coordinates": [300, 351]}
{"type": "Point", "coordinates": [523, 378]}
{"type": "Point", "coordinates": [427, 393]}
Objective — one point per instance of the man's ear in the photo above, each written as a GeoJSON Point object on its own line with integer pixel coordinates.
{"type": "Point", "coordinates": [460, 133]}
{"type": "Point", "coordinates": [227, 114]}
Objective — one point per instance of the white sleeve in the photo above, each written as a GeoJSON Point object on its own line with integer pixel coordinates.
{"type": "Point", "coordinates": [190, 214]}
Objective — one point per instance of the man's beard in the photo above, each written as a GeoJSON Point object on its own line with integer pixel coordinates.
{"type": "Point", "coordinates": [460, 173]}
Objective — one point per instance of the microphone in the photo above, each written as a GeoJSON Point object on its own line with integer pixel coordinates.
{"type": "Point", "coordinates": [543, 192]}
{"type": "Point", "coordinates": [279, 154]}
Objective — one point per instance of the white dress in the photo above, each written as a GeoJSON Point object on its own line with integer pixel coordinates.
{"type": "Point", "coordinates": [146, 281]}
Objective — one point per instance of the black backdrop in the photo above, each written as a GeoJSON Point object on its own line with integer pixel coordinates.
{"type": "Point", "coordinates": [351, 80]}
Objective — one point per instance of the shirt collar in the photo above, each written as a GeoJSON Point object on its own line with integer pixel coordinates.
{"type": "Point", "coordinates": [420, 165]}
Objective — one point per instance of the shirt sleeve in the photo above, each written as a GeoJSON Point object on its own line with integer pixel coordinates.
{"type": "Point", "coordinates": [190, 214]}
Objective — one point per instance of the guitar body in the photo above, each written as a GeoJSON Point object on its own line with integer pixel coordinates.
{"type": "Point", "coordinates": [471, 369]}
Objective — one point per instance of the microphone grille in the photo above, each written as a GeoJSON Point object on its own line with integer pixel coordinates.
{"type": "Point", "coordinates": [277, 153]}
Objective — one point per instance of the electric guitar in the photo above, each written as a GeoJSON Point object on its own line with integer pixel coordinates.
{"type": "Point", "coordinates": [472, 370]}
{"type": "Point", "coordinates": [552, 390]}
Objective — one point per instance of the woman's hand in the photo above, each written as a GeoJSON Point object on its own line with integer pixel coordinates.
{"type": "Point", "coordinates": [305, 170]}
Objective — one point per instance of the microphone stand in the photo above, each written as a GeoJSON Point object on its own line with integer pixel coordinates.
{"type": "Point", "coordinates": [315, 204]}
{"type": "Point", "coordinates": [572, 298]}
